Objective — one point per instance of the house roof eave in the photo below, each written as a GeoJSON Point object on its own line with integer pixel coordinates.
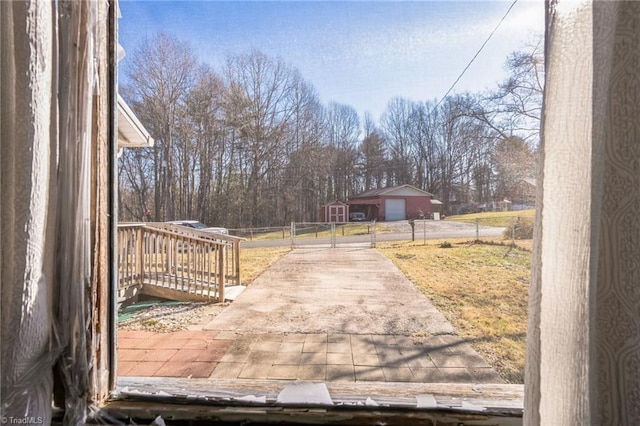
{"type": "Point", "coordinates": [131, 133]}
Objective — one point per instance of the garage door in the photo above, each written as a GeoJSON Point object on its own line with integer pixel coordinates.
{"type": "Point", "coordinates": [395, 209]}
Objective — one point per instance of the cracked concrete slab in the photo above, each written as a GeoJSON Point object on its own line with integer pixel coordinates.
{"type": "Point", "coordinates": [342, 290]}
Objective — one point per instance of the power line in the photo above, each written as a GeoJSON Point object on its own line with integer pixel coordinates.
{"type": "Point", "coordinates": [477, 53]}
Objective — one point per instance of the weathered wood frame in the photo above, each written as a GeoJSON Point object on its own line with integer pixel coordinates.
{"type": "Point", "coordinates": [353, 403]}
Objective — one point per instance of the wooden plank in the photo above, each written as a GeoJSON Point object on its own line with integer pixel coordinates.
{"type": "Point", "coordinates": [139, 255]}
{"type": "Point", "coordinates": [208, 274]}
{"type": "Point", "coordinates": [395, 403]}
{"type": "Point", "coordinates": [100, 216]}
{"type": "Point", "coordinates": [236, 263]}
{"type": "Point", "coordinates": [342, 415]}
{"type": "Point", "coordinates": [191, 233]}
{"type": "Point", "coordinates": [232, 292]}
{"type": "Point", "coordinates": [172, 294]}
{"type": "Point", "coordinates": [496, 396]}
{"type": "Point", "coordinates": [221, 280]}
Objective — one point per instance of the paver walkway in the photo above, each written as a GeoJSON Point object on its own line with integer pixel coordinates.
{"type": "Point", "coordinates": [319, 315]}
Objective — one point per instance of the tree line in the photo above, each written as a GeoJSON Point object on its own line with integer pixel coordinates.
{"type": "Point", "coordinates": [251, 144]}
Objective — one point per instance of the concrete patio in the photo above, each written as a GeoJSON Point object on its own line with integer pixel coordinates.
{"type": "Point", "coordinates": [313, 357]}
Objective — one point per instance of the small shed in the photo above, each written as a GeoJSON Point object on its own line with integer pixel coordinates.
{"type": "Point", "coordinates": [436, 209]}
{"type": "Point", "coordinates": [335, 212]}
{"type": "Point", "coordinates": [393, 203]}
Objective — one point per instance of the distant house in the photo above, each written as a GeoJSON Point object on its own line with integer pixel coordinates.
{"type": "Point", "coordinates": [524, 193]}
{"type": "Point", "coordinates": [393, 203]}
{"type": "Point", "coordinates": [335, 212]}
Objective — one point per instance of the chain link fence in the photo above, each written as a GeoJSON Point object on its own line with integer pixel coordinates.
{"type": "Point", "coordinates": [322, 234]}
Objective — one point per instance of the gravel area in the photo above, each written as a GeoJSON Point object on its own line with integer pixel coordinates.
{"type": "Point", "coordinates": [168, 317]}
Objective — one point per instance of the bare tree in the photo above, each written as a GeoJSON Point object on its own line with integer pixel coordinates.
{"type": "Point", "coordinates": [253, 145]}
{"type": "Point", "coordinates": [209, 148]}
{"type": "Point", "coordinates": [514, 161]}
{"type": "Point", "coordinates": [158, 78]}
{"type": "Point", "coordinates": [397, 124]}
{"type": "Point", "coordinates": [462, 144]}
{"type": "Point", "coordinates": [260, 106]}
{"type": "Point", "coordinates": [342, 134]}
{"type": "Point", "coordinates": [135, 184]}
{"type": "Point", "coordinates": [374, 161]}
{"type": "Point", "coordinates": [429, 167]}
{"type": "Point", "coordinates": [514, 109]}
{"type": "Point", "coordinates": [307, 165]}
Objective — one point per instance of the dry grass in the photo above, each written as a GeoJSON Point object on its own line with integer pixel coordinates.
{"type": "Point", "coordinates": [481, 288]}
{"type": "Point", "coordinates": [255, 260]}
{"type": "Point", "coordinates": [499, 219]}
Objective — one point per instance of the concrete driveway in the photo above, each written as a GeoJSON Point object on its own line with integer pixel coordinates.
{"type": "Point", "coordinates": [344, 290]}
{"type": "Point", "coordinates": [341, 314]}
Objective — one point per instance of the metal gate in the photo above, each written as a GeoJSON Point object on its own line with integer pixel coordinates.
{"type": "Point", "coordinates": [333, 235]}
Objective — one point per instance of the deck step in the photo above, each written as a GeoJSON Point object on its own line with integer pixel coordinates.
{"type": "Point", "coordinates": [231, 292]}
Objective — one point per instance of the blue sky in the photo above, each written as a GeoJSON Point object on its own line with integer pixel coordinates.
{"type": "Point", "coordinates": [360, 53]}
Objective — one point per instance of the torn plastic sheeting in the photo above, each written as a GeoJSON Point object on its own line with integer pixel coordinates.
{"type": "Point", "coordinates": [468, 406]}
{"type": "Point", "coordinates": [370, 402]}
{"type": "Point", "coordinates": [426, 401]}
{"type": "Point", "coordinates": [158, 421]}
{"type": "Point", "coordinates": [305, 393]}
{"type": "Point", "coordinates": [253, 399]}
{"type": "Point", "coordinates": [128, 391]}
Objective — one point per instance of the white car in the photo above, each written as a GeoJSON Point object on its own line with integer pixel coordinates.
{"type": "Point", "coordinates": [199, 226]}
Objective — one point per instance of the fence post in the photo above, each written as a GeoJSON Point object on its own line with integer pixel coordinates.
{"type": "Point", "coordinates": [236, 261]}
{"type": "Point", "coordinates": [139, 255]}
{"type": "Point", "coordinates": [169, 256]}
{"type": "Point", "coordinates": [373, 235]}
{"type": "Point", "coordinates": [292, 233]}
{"type": "Point", "coordinates": [333, 235]}
{"type": "Point", "coordinates": [424, 232]}
{"type": "Point", "coordinates": [477, 229]}
{"type": "Point", "coordinates": [221, 277]}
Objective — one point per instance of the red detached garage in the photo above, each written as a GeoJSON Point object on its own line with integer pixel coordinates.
{"type": "Point", "coordinates": [392, 203]}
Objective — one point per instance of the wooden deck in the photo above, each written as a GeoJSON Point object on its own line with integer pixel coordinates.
{"type": "Point", "coordinates": [176, 262]}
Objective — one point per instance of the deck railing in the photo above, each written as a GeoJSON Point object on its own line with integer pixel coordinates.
{"type": "Point", "coordinates": [165, 260]}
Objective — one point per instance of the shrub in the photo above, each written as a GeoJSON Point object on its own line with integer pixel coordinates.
{"type": "Point", "coordinates": [445, 244]}
{"type": "Point", "coordinates": [520, 229]}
